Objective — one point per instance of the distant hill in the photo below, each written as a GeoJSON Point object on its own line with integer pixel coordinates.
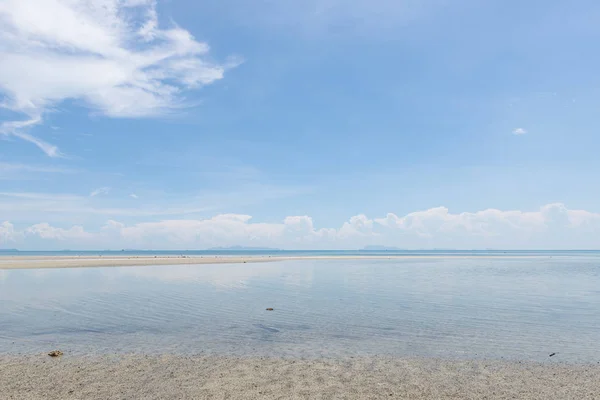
{"type": "Point", "coordinates": [243, 248]}
{"type": "Point", "coordinates": [8, 250]}
{"type": "Point", "coordinates": [381, 248]}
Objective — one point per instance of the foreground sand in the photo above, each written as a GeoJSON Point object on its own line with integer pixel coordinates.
{"type": "Point", "coordinates": [179, 377]}
{"type": "Point", "coordinates": [32, 262]}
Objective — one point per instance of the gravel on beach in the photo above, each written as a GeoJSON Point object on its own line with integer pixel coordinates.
{"type": "Point", "coordinates": [203, 377]}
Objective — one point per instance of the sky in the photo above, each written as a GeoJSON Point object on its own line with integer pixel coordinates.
{"type": "Point", "coordinates": [317, 124]}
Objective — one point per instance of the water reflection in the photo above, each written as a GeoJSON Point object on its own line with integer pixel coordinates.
{"type": "Point", "coordinates": [514, 308]}
{"type": "Point", "coordinates": [226, 276]}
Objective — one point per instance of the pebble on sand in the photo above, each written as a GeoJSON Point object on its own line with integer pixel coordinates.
{"type": "Point", "coordinates": [55, 353]}
{"type": "Point", "coordinates": [269, 309]}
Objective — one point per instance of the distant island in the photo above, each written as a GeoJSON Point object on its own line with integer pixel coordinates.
{"type": "Point", "coordinates": [242, 248]}
{"type": "Point", "coordinates": [380, 248]}
{"type": "Point", "coordinates": [8, 250]}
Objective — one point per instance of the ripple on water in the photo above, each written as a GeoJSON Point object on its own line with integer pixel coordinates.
{"type": "Point", "coordinates": [512, 308]}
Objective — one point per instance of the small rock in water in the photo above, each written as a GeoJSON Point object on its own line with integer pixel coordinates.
{"type": "Point", "coordinates": [269, 309]}
{"type": "Point", "coordinates": [553, 354]}
{"type": "Point", "coordinates": [55, 353]}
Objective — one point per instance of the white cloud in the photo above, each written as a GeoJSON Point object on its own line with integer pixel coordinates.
{"type": "Point", "coordinates": [7, 233]}
{"type": "Point", "coordinates": [519, 131]}
{"type": "Point", "coordinates": [133, 196]}
{"type": "Point", "coordinates": [109, 54]}
{"type": "Point", "coordinates": [359, 225]}
{"type": "Point", "coordinates": [99, 191]}
{"type": "Point", "coordinates": [46, 231]}
{"type": "Point", "coordinates": [552, 226]}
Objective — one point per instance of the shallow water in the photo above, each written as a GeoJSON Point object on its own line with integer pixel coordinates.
{"type": "Point", "coordinates": [515, 308]}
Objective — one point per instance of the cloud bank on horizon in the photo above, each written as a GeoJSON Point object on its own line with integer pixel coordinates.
{"type": "Point", "coordinates": [552, 227]}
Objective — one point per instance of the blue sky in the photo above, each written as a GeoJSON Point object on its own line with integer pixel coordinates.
{"type": "Point", "coordinates": [142, 123]}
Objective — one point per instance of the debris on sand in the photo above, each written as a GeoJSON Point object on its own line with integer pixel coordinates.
{"type": "Point", "coordinates": [553, 354]}
{"type": "Point", "coordinates": [55, 353]}
{"type": "Point", "coordinates": [269, 309]}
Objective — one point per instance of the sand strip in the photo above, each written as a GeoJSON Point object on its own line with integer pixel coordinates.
{"type": "Point", "coordinates": [179, 377]}
{"type": "Point", "coordinates": [112, 261]}
{"type": "Point", "coordinates": [32, 262]}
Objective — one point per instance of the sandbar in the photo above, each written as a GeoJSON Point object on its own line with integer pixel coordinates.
{"type": "Point", "coordinates": [34, 262]}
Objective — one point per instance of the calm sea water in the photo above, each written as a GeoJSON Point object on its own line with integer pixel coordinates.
{"type": "Point", "coordinates": [503, 307]}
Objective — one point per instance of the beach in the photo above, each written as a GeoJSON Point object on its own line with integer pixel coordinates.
{"type": "Point", "coordinates": [306, 327]}
{"type": "Point", "coordinates": [196, 377]}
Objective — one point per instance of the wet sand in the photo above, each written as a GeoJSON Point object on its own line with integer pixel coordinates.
{"type": "Point", "coordinates": [33, 262]}
{"type": "Point", "coordinates": [180, 377]}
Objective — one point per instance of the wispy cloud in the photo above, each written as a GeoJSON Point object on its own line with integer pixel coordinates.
{"type": "Point", "coordinates": [20, 171]}
{"type": "Point", "coordinates": [28, 206]}
{"type": "Point", "coordinates": [41, 196]}
{"type": "Point", "coordinates": [19, 129]}
{"type": "Point", "coordinates": [111, 55]}
{"type": "Point", "coordinates": [519, 131]}
{"type": "Point", "coordinates": [33, 207]}
{"type": "Point", "coordinates": [133, 196]}
{"type": "Point", "coordinates": [34, 204]}
{"type": "Point", "coordinates": [79, 208]}
{"type": "Point", "coordinates": [99, 191]}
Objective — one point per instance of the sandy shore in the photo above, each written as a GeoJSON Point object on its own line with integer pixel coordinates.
{"type": "Point", "coordinates": [32, 262]}
{"type": "Point", "coordinates": [26, 262]}
{"type": "Point", "coordinates": [178, 377]}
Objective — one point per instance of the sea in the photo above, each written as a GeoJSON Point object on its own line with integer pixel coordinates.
{"type": "Point", "coordinates": [300, 253]}
{"type": "Point", "coordinates": [541, 306]}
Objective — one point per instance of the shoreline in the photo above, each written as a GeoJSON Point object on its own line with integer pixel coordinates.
{"type": "Point", "coordinates": [38, 262]}
{"type": "Point", "coordinates": [218, 377]}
